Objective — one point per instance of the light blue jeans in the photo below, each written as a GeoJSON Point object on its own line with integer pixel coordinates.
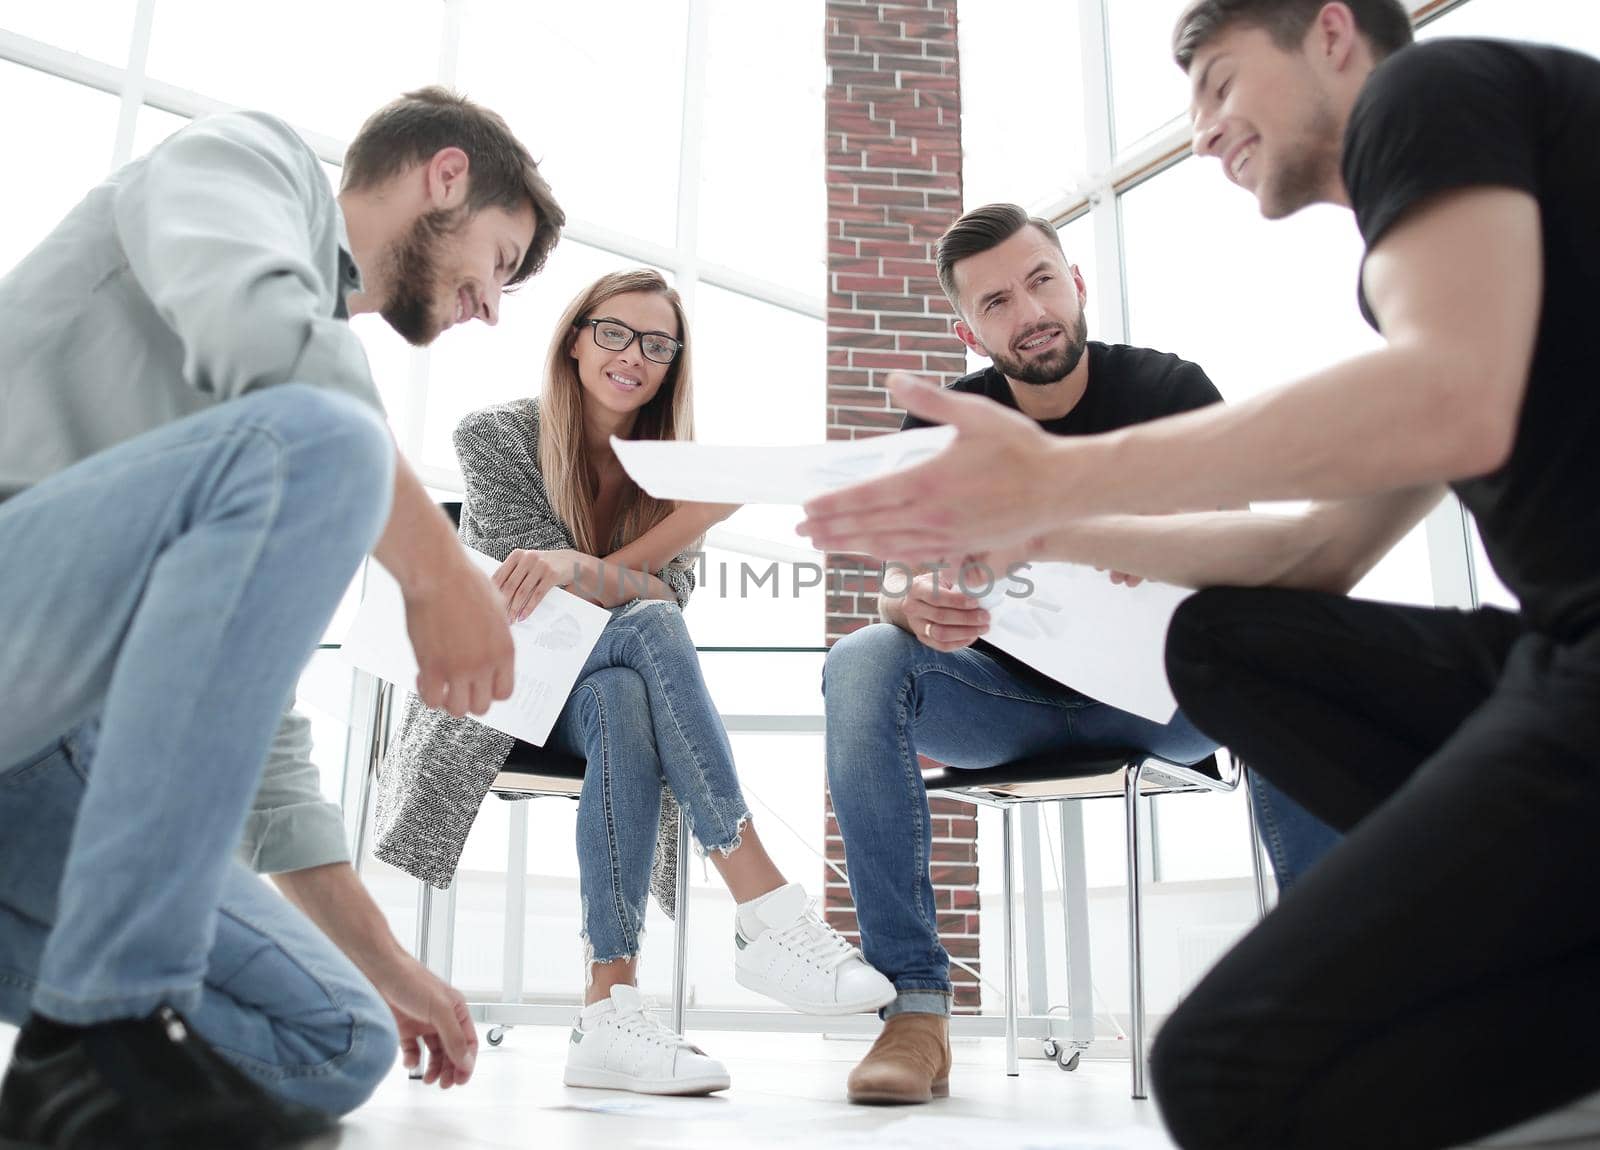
{"type": "Point", "coordinates": [889, 698]}
{"type": "Point", "coordinates": [159, 601]}
{"type": "Point", "coordinates": [639, 715]}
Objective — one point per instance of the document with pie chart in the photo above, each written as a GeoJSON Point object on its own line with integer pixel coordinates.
{"type": "Point", "coordinates": [552, 645]}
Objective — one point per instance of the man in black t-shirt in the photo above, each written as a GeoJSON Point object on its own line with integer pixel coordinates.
{"type": "Point", "coordinates": [923, 681]}
{"type": "Point", "coordinates": [1460, 750]}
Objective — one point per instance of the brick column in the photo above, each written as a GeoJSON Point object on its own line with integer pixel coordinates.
{"type": "Point", "coordinates": [894, 185]}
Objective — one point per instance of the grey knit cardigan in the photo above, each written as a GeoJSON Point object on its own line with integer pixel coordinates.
{"type": "Point", "coordinates": [439, 768]}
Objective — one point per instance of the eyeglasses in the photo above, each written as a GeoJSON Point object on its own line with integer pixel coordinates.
{"type": "Point", "coordinates": [614, 335]}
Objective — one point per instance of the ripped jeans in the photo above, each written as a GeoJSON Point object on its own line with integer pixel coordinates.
{"type": "Point", "coordinates": [641, 715]}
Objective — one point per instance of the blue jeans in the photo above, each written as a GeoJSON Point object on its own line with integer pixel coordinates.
{"type": "Point", "coordinates": [890, 698]}
{"type": "Point", "coordinates": [639, 715]}
{"type": "Point", "coordinates": [1294, 837]}
{"type": "Point", "coordinates": [159, 601]}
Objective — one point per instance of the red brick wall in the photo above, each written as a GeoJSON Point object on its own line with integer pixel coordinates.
{"type": "Point", "coordinates": [894, 185]}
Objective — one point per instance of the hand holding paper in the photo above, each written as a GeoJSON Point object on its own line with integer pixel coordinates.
{"type": "Point", "coordinates": [552, 645]}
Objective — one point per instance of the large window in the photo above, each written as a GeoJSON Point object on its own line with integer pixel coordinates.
{"type": "Point", "coordinates": [1022, 117]}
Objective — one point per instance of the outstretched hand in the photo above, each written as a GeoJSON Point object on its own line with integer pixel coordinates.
{"type": "Point", "coordinates": [987, 491]}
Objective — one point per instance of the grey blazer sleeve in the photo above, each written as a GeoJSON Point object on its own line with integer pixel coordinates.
{"type": "Point", "coordinates": [290, 825]}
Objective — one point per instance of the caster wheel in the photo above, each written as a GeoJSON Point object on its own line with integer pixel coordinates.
{"type": "Point", "coordinates": [1063, 1058]}
{"type": "Point", "coordinates": [496, 1035]}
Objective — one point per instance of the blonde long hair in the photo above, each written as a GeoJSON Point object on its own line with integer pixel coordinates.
{"type": "Point", "coordinates": [563, 449]}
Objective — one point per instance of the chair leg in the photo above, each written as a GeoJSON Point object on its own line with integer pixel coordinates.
{"type": "Point", "coordinates": [680, 937]}
{"type": "Point", "coordinates": [1007, 835]}
{"type": "Point", "coordinates": [1135, 931]}
{"type": "Point", "coordinates": [377, 747]}
{"type": "Point", "coordinates": [1075, 919]}
{"type": "Point", "coordinates": [516, 914]}
{"type": "Point", "coordinates": [1257, 871]}
{"type": "Point", "coordinates": [424, 919]}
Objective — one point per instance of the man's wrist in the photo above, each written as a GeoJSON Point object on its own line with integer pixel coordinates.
{"type": "Point", "coordinates": [1092, 475]}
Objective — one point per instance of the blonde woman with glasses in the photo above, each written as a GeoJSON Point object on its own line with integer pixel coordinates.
{"type": "Point", "coordinates": [546, 494]}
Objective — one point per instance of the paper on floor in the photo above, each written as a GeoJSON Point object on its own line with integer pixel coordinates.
{"type": "Point", "coordinates": [937, 1132]}
{"type": "Point", "coordinates": [712, 473]}
{"type": "Point", "coordinates": [1101, 638]}
{"type": "Point", "coordinates": [552, 645]}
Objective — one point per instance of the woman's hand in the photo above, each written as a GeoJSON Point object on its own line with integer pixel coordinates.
{"type": "Point", "coordinates": [526, 577]}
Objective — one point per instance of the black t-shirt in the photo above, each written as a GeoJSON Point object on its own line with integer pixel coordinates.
{"type": "Point", "coordinates": [1479, 113]}
{"type": "Point", "coordinates": [1127, 385]}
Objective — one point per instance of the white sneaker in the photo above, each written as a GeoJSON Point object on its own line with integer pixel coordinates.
{"type": "Point", "coordinates": [788, 953]}
{"type": "Point", "coordinates": [617, 1046]}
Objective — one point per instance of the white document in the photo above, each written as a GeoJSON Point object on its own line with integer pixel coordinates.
{"type": "Point", "coordinates": [710, 473]}
{"type": "Point", "coordinates": [1103, 639]}
{"type": "Point", "coordinates": [552, 645]}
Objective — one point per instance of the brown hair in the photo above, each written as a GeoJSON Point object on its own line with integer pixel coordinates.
{"type": "Point", "coordinates": [563, 451]}
{"type": "Point", "coordinates": [976, 232]}
{"type": "Point", "coordinates": [412, 129]}
{"type": "Point", "coordinates": [1384, 23]}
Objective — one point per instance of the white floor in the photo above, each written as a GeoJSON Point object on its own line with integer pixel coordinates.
{"type": "Point", "coordinates": [788, 1092]}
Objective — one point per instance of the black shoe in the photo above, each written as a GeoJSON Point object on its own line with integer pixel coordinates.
{"type": "Point", "coordinates": [149, 1083]}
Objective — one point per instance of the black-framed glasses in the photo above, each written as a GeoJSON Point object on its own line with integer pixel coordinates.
{"type": "Point", "coordinates": [614, 335]}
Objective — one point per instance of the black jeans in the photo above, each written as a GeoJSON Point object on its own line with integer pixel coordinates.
{"type": "Point", "coordinates": [1437, 976]}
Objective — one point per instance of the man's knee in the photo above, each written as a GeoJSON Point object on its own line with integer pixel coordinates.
{"type": "Point", "coordinates": [1197, 644]}
{"type": "Point", "coordinates": [374, 1043]}
{"type": "Point", "coordinates": [864, 668]}
{"type": "Point", "coordinates": [1183, 1071]}
{"type": "Point", "coordinates": [338, 442]}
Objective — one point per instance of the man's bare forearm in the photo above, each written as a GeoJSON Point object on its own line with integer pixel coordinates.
{"type": "Point", "coordinates": [418, 546]}
{"type": "Point", "coordinates": [1327, 548]}
{"type": "Point", "coordinates": [1383, 421]}
{"type": "Point", "coordinates": [333, 897]}
{"type": "Point", "coordinates": [1200, 549]}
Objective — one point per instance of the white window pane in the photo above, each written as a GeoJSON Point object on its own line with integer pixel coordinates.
{"type": "Point", "coordinates": [758, 371]}
{"type": "Point", "coordinates": [153, 126]}
{"type": "Point", "coordinates": [323, 695]}
{"type": "Point", "coordinates": [389, 358]}
{"type": "Point", "coordinates": [99, 29]}
{"type": "Point", "coordinates": [1202, 836]}
{"type": "Point", "coordinates": [596, 92]}
{"type": "Point", "coordinates": [1571, 25]}
{"type": "Point", "coordinates": [746, 600]}
{"type": "Point", "coordinates": [324, 67]}
{"type": "Point", "coordinates": [74, 142]}
{"type": "Point", "coordinates": [474, 366]}
{"type": "Point", "coordinates": [1077, 241]}
{"type": "Point", "coordinates": [1255, 303]}
{"type": "Point", "coordinates": [762, 202]}
{"type": "Point", "coordinates": [1022, 126]}
{"type": "Point", "coordinates": [1147, 88]}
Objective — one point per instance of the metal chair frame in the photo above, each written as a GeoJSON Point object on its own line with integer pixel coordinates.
{"type": "Point", "coordinates": [1092, 774]}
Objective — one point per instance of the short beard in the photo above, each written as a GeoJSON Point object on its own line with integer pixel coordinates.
{"type": "Point", "coordinates": [1052, 368]}
{"type": "Point", "coordinates": [412, 266]}
{"type": "Point", "coordinates": [1305, 179]}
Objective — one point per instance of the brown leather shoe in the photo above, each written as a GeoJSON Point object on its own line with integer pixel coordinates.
{"type": "Point", "coordinates": [909, 1063]}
